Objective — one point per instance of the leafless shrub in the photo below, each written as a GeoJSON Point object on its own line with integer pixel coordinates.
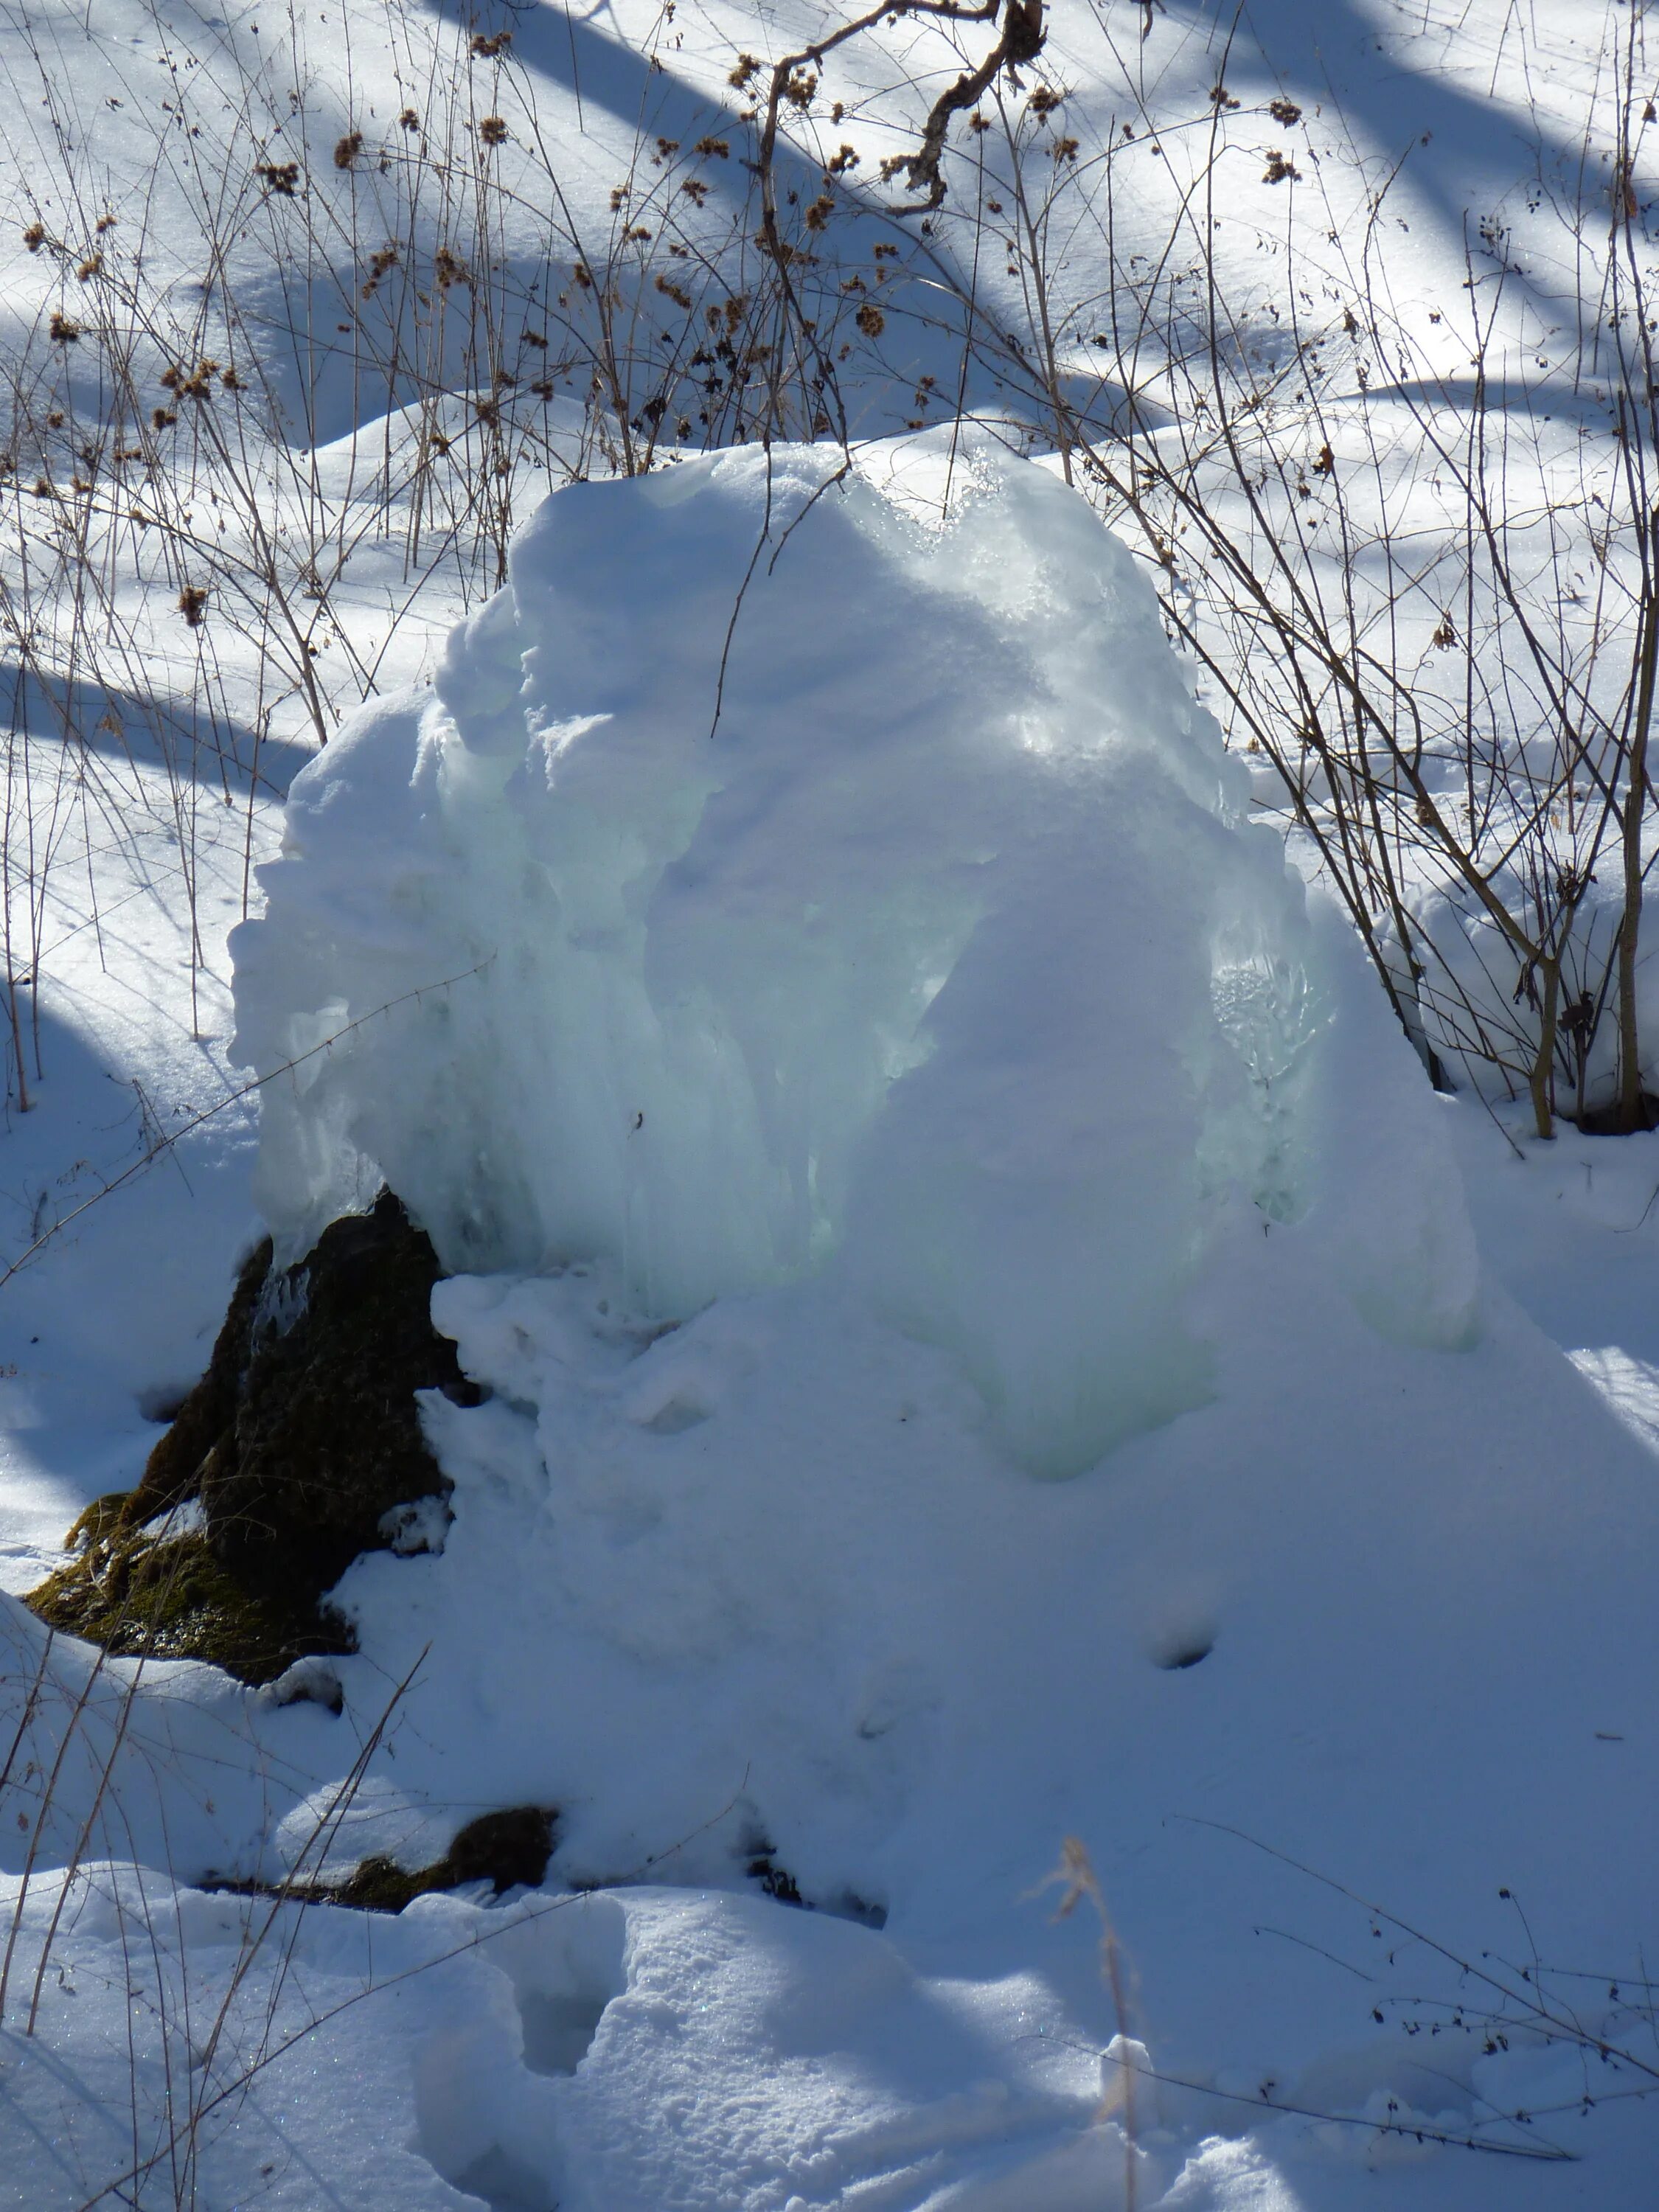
{"type": "Point", "coordinates": [1431, 609]}
{"type": "Point", "coordinates": [407, 335]}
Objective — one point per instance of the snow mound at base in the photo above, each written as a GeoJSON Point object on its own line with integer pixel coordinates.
{"type": "Point", "coordinates": [524, 2059]}
{"type": "Point", "coordinates": [781, 874]}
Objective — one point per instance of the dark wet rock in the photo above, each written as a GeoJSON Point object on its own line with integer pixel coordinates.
{"type": "Point", "coordinates": [507, 1849]}
{"type": "Point", "coordinates": [327, 1438]}
{"type": "Point", "coordinates": [292, 1454]}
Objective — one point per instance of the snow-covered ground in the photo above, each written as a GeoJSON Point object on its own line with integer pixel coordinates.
{"type": "Point", "coordinates": [1116, 1422]}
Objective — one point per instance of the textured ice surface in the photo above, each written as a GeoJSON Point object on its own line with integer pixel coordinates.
{"type": "Point", "coordinates": [826, 880]}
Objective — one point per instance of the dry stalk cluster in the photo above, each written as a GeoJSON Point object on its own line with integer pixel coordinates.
{"type": "Point", "coordinates": [231, 508]}
{"type": "Point", "coordinates": [1411, 543]}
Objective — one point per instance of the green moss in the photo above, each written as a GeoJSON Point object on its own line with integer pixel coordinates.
{"type": "Point", "coordinates": [301, 1438]}
{"type": "Point", "coordinates": [381, 1885]}
{"type": "Point", "coordinates": [139, 1598]}
{"type": "Point", "coordinates": [103, 1520]}
{"type": "Point", "coordinates": [505, 1848]}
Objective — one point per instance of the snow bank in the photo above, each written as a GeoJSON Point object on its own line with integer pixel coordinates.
{"type": "Point", "coordinates": [784, 874]}
{"type": "Point", "coordinates": [593, 2054]}
{"type": "Point", "coordinates": [647, 2052]}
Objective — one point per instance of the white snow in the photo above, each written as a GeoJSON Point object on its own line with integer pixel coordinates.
{"type": "Point", "coordinates": [990, 1337]}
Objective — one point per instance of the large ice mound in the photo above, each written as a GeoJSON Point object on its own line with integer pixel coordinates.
{"type": "Point", "coordinates": [785, 871]}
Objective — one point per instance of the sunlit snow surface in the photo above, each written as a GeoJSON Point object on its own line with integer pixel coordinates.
{"type": "Point", "coordinates": [774, 1578]}
{"type": "Point", "coordinates": [752, 1571]}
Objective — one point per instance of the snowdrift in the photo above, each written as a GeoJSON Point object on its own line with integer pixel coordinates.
{"type": "Point", "coordinates": [809, 965]}
{"type": "Point", "coordinates": [782, 876]}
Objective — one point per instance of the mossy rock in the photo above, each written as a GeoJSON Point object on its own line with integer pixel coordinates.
{"type": "Point", "coordinates": [505, 1848]}
{"type": "Point", "coordinates": [299, 1442]}
{"type": "Point", "coordinates": [327, 1439]}
{"type": "Point", "coordinates": [141, 1596]}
